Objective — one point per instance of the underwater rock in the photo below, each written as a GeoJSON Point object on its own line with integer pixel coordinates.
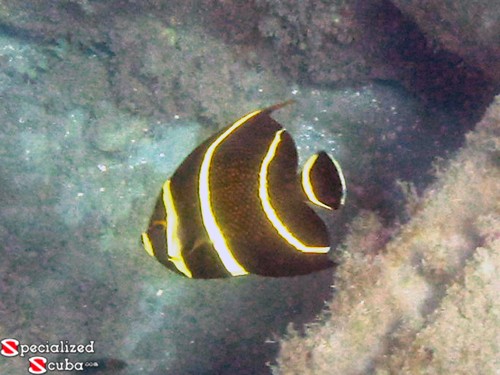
{"type": "Point", "coordinates": [20, 62]}
{"type": "Point", "coordinates": [461, 337]}
{"type": "Point", "coordinates": [113, 130]}
{"type": "Point", "coordinates": [315, 40]}
{"type": "Point", "coordinates": [469, 29]}
{"type": "Point", "coordinates": [340, 41]}
{"type": "Point", "coordinates": [426, 301]}
{"type": "Point", "coordinates": [79, 20]}
{"type": "Point", "coordinates": [247, 51]}
{"type": "Point", "coordinates": [149, 78]}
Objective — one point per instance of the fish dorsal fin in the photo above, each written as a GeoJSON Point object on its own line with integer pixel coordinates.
{"type": "Point", "coordinates": [323, 182]}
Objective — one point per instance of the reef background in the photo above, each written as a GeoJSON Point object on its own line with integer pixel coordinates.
{"type": "Point", "coordinates": [427, 301]}
{"type": "Point", "coordinates": [101, 100]}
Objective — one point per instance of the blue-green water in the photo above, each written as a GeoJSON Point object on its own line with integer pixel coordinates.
{"type": "Point", "coordinates": [92, 124]}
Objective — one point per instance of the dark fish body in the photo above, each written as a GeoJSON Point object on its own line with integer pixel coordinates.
{"type": "Point", "coordinates": [237, 206]}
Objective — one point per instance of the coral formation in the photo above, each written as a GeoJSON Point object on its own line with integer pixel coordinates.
{"type": "Point", "coordinates": [425, 302]}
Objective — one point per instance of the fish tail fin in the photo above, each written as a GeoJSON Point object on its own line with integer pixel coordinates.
{"type": "Point", "coordinates": [323, 181]}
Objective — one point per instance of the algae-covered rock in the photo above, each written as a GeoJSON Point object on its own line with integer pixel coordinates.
{"type": "Point", "coordinates": [179, 70]}
{"type": "Point", "coordinates": [113, 131]}
{"type": "Point", "coordinates": [337, 41]}
{"type": "Point", "coordinates": [426, 302]}
{"type": "Point", "coordinates": [461, 336]}
{"type": "Point", "coordinates": [471, 29]}
{"type": "Point", "coordinates": [203, 52]}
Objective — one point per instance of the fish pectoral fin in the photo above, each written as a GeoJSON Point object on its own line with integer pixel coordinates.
{"type": "Point", "coordinates": [199, 245]}
{"type": "Point", "coordinates": [158, 223]}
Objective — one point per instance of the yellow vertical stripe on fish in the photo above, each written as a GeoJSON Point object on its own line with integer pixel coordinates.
{"type": "Point", "coordinates": [209, 221]}
{"type": "Point", "coordinates": [148, 246]}
{"type": "Point", "coordinates": [307, 185]}
{"type": "Point", "coordinates": [174, 247]}
{"type": "Point", "coordinates": [268, 207]}
{"type": "Point", "coordinates": [342, 180]}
